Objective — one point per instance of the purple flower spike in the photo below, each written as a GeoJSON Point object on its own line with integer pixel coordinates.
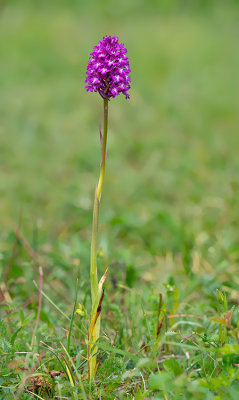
{"type": "Point", "coordinates": [108, 69]}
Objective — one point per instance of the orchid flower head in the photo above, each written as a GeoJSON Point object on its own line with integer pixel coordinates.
{"type": "Point", "coordinates": [108, 69]}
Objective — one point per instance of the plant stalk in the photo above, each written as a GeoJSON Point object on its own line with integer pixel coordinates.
{"type": "Point", "coordinates": [95, 293]}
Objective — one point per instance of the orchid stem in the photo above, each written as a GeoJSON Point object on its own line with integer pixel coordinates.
{"type": "Point", "coordinates": [95, 294]}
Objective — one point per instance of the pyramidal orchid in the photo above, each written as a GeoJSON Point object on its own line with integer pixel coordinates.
{"type": "Point", "coordinates": [108, 74]}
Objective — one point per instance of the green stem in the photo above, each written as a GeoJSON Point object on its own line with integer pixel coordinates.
{"type": "Point", "coordinates": [104, 142]}
{"type": "Point", "coordinates": [93, 267]}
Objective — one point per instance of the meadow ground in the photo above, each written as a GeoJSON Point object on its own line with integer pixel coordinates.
{"type": "Point", "coordinates": [169, 209]}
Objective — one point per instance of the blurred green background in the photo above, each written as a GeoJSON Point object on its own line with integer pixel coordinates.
{"type": "Point", "coordinates": [172, 169]}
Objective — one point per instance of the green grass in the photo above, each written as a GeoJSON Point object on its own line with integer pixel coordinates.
{"type": "Point", "coordinates": [169, 210]}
